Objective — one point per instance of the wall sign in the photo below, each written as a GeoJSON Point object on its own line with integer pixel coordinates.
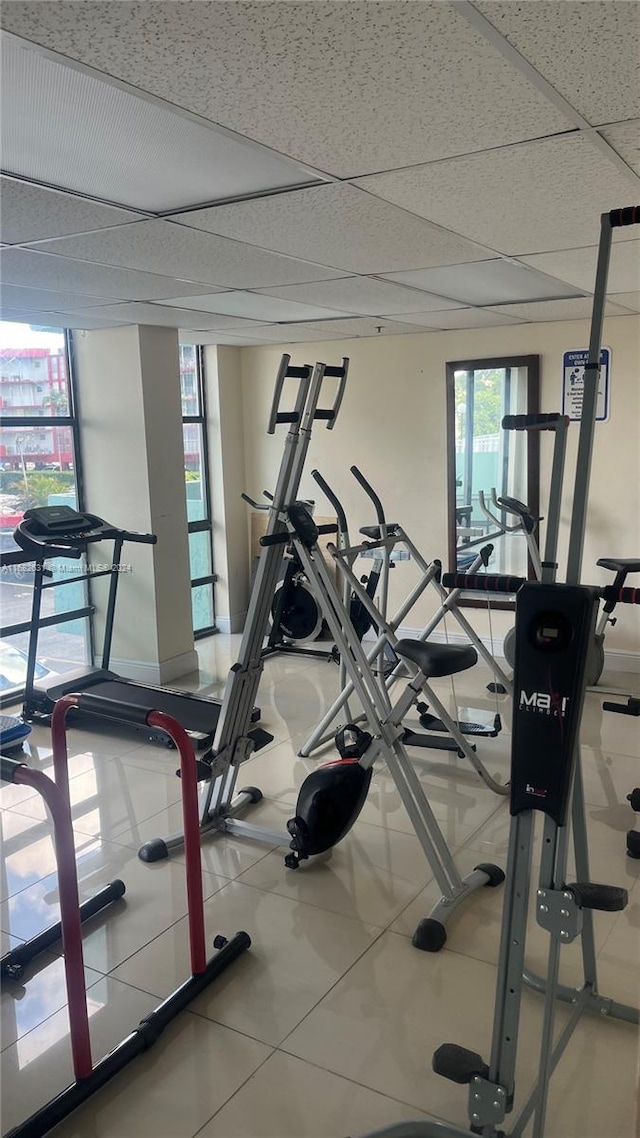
{"type": "Point", "coordinates": [573, 384]}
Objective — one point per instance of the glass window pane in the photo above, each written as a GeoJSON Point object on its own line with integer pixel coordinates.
{"type": "Point", "coordinates": [202, 607]}
{"type": "Point", "coordinates": [200, 554]}
{"type": "Point", "coordinates": [36, 469]}
{"type": "Point", "coordinates": [194, 472]}
{"type": "Point", "coordinates": [33, 371]}
{"type": "Point", "coordinates": [189, 380]}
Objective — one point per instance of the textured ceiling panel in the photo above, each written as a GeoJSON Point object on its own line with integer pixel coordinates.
{"type": "Point", "coordinates": [238, 341]}
{"type": "Point", "coordinates": [589, 52]}
{"type": "Point", "coordinates": [578, 266]}
{"type": "Point", "coordinates": [33, 299]}
{"type": "Point", "coordinates": [41, 270]}
{"type": "Point", "coordinates": [331, 330]}
{"type": "Point", "coordinates": [169, 317]}
{"type": "Point", "coordinates": [154, 246]}
{"type": "Point", "coordinates": [341, 225]}
{"type": "Point", "coordinates": [486, 282]}
{"type": "Point", "coordinates": [63, 126]}
{"type": "Point", "coordinates": [524, 199]}
{"type": "Point", "coordinates": [30, 213]}
{"type": "Point", "coordinates": [78, 320]}
{"type": "Point", "coordinates": [629, 300]}
{"type": "Point", "coordinates": [459, 318]}
{"type": "Point", "coordinates": [350, 88]}
{"type": "Point", "coordinates": [577, 308]}
{"type": "Point", "coordinates": [624, 137]}
{"type": "Point", "coordinates": [256, 307]}
{"type": "Point", "coordinates": [365, 296]}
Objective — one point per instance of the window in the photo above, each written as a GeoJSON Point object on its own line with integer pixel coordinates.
{"type": "Point", "coordinates": [483, 459]}
{"type": "Point", "coordinates": [196, 473]}
{"type": "Point", "coordinates": [38, 467]}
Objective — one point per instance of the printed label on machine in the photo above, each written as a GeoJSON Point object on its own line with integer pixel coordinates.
{"type": "Point", "coordinates": [573, 384]}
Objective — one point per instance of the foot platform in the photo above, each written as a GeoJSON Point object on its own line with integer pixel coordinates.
{"type": "Point", "coordinates": [607, 898]}
{"type": "Point", "coordinates": [458, 1064]}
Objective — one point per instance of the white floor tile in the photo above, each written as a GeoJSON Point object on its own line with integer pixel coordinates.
{"type": "Point", "coordinates": [287, 1098]}
{"type": "Point", "coordinates": [298, 953]}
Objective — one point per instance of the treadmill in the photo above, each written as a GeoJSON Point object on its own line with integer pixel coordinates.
{"type": "Point", "coordinates": [59, 531]}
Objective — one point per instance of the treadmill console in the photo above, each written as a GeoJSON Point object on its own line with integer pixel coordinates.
{"type": "Point", "coordinates": [55, 521]}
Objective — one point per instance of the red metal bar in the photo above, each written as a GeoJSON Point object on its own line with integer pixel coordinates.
{"type": "Point", "coordinates": [56, 797]}
{"type": "Point", "coordinates": [191, 824]}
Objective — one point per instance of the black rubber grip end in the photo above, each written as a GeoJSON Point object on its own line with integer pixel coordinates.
{"type": "Point", "coordinates": [630, 215]}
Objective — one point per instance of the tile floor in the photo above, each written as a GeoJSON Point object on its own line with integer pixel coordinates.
{"type": "Point", "coordinates": [326, 1027]}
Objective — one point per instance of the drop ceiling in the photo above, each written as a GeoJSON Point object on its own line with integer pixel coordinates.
{"type": "Point", "coordinates": [265, 172]}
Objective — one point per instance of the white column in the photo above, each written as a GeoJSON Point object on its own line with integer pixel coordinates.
{"type": "Point", "coordinates": [132, 455]}
{"type": "Point", "coordinates": [227, 468]}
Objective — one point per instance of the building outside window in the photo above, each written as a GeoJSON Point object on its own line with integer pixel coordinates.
{"type": "Point", "coordinates": [196, 472]}
{"type": "Point", "coordinates": [38, 467]}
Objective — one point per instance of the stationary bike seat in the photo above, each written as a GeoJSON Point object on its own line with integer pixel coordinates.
{"type": "Point", "coordinates": [620, 565]}
{"type": "Point", "coordinates": [437, 659]}
{"type": "Point", "coordinates": [375, 532]}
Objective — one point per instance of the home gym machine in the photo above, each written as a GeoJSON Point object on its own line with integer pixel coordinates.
{"type": "Point", "coordinates": [554, 626]}
{"type": "Point", "coordinates": [61, 532]}
{"type": "Point", "coordinates": [331, 797]}
{"type": "Point", "coordinates": [90, 1076]}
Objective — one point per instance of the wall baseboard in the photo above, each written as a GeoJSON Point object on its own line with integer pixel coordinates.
{"type": "Point", "coordinates": [231, 624]}
{"type": "Point", "coordinates": [160, 673]}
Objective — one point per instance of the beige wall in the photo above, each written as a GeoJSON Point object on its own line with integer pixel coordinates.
{"type": "Point", "coordinates": [392, 426]}
{"type": "Point", "coordinates": [132, 453]}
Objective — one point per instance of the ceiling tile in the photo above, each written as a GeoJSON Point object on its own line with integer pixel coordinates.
{"type": "Point", "coordinates": [578, 266]}
{"type": "Point", "coordinates": [30, 213]}
{"type": "Point", "coordinates": [188, 337]}
{"type": "Point", "coordinates": [42, 270]}
{"type": "Point", "coordinates": [332, 330]}
{"type": "Point", "coordinates": [589, 52]}
{"type": "Point", "coordinates": [459, 318]}
{"type": "Point", "coordinates": [625, 139]}
{"type": "Point", "coordinates": [339, 225]}
{"type": "Point", "coordinates": [71, 129]}
{"type": "Point", "coordinates": [170, 317]}
{"type": "Point", "coordinates": [629, 300]}
{"type": "Point", "coordinates": [541, 195]}
{"type": "Point", "coordinates": [81, 321]}
{"type": "Point", "coordinates": [32, 299]}
{"type": "Point", "coordinates": [192, 254]}
{"type": "Point", "coordinates": [350, 88]}
{"type": "Point", "coordinates": [486, 282]}
{"type": "Point", "coordinates": [364, 295]}
{"type": "Point", "coordinates": [577, 308]}
{"type": "Point", "coordinates": [256, 306]}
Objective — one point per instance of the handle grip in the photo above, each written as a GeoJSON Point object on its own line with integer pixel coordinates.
{"type": "Point", "coordinates": [625, 596]}
{"type": "Point", "coordinates": [335, 501]}
{"type": "Point", "coordinates": [534, 422]}
{"type": "Point", "coordinates": [341, 374]}
{"type": "Point", "coordinates": [282, 538]}
{"type": "Point", "coordinates": [286, 372]}
{"type": "Point", "coordinates": [630, 215]}
{"type": "Point", "coordinates": [482, 582]}
{"type": "Point", "coordinates": [140, 538]}
{"type": "Point", "coordinates": [327, 529]}
{"type": "Point", "coordinates": [370, 492]}
{"type": "Point", "coordinates": [254, 505]}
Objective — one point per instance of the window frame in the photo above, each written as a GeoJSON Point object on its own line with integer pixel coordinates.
{"type": "Point", "coordinates": [70, 421]}
{"type": "Point", "coordinates": [506, 363]}
{"type": "Point", "coordinates": [202, 525]}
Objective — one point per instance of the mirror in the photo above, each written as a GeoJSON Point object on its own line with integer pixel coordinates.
{"type": "Point", "coordinates": [487, 465]}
